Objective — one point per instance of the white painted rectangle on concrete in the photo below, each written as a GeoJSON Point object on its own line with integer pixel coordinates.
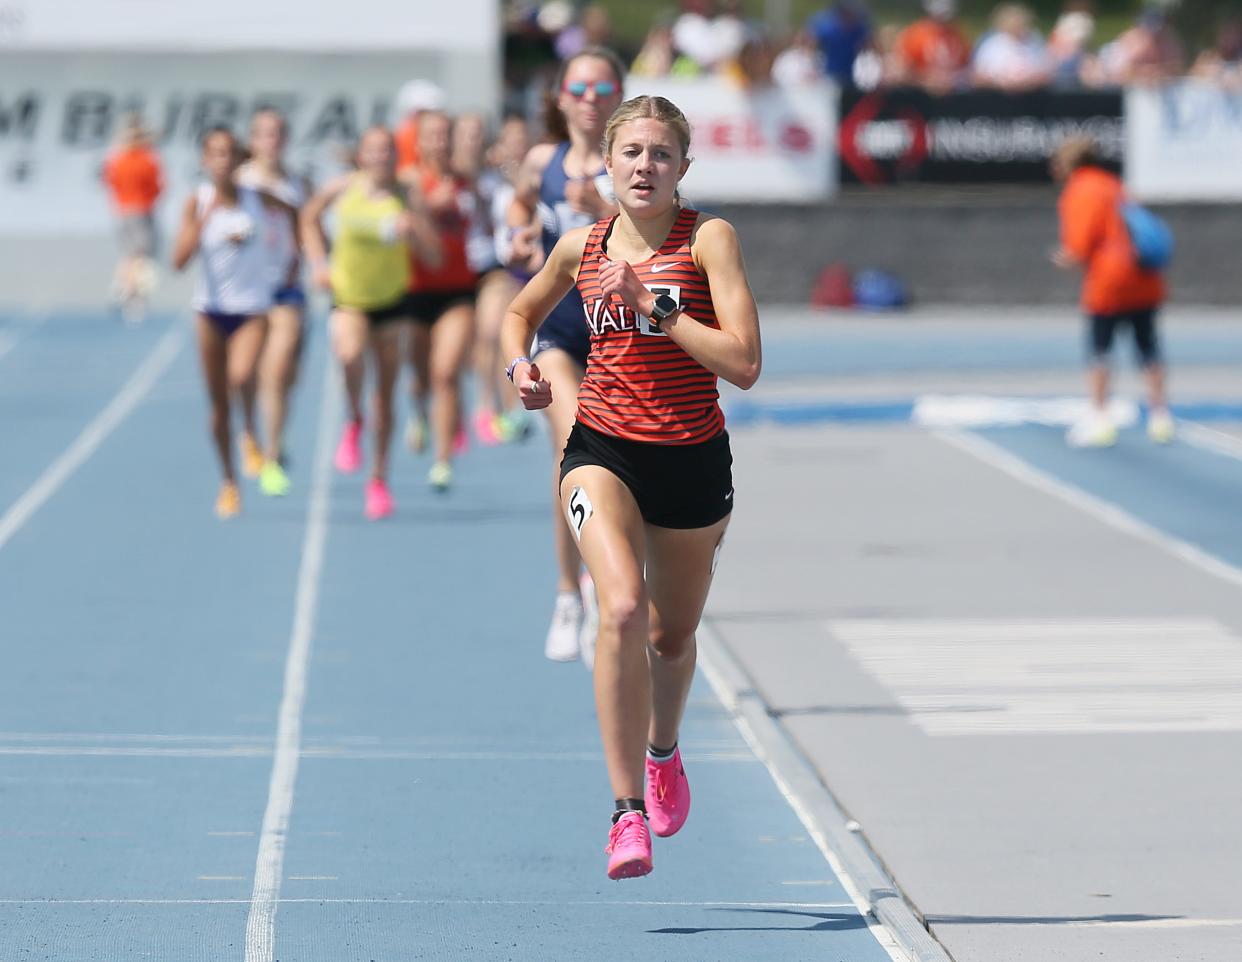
{"type": "Point", "coordinates": [999, 677]}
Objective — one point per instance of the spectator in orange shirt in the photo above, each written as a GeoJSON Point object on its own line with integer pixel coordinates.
{"type": "Point", "coordinates": [133, 176]}
{"type": "Point", "coordinates": [933, 52]}
{"type": "Point", "coordinates": [1116, 291]}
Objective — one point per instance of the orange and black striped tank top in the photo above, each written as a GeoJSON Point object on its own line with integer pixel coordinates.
{"type": "Point", "coordinates": [639, 384]}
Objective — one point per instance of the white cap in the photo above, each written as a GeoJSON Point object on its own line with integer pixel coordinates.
{"type": "Point", "coordinates": [554, 16]}
{"type": "Point", "coordinates": [416, 95]}
{"type": "Point", "coordinates": [941, 9]}
{"type": "Point", "coordinates": [1077, 26]}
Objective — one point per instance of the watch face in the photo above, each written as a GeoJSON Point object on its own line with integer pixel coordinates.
{"type": "Point", "coordinates": [664, 306]}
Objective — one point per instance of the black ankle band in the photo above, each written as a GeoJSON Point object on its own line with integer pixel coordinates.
{"type": "Point", "coordinates": [660, 754]}
{"type": "Point", "coordinates": [629, 805]}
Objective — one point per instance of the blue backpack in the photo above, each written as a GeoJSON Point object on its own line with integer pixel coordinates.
{"type": "Point", "coordinates": [1150, 236]}
{"type": "Point", "coordinates": [879, 291]}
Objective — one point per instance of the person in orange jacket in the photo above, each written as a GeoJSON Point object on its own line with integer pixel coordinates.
{"type": "Point", "coordinates": [134, 179]}
{"type": "Point", "coordinates": [1116, 290]}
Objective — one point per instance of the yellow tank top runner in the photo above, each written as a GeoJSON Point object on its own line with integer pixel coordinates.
{"type": "Point", "coordinates": [370, 264]}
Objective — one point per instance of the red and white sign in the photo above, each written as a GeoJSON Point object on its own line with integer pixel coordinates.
{"type": "Point", "coordinates": [769, 144]}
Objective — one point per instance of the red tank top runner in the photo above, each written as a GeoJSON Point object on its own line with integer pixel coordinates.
{"type": "Point", "coordinates": [639, 384]}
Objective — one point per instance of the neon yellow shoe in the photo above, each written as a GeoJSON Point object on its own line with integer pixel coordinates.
{"type": "Point", "coordinates": [251, 456]}
{"type": "Point", "coordinates": [416, 434]}
{"type": "Point", "coordinates": [1160, 427]}
{"type": "Point", "coordinates": [228, 501]}
{"type": "Point", "coordinates": [440, 476]}
{"type": "Point", "coordinates": [273, 481]}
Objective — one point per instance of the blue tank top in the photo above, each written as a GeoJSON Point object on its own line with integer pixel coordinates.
{"type": "Point", "coordinates": [558, 218]}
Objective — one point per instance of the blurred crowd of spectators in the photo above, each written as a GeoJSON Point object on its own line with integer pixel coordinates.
{"type": "Point", "coordinates": [843, 41]}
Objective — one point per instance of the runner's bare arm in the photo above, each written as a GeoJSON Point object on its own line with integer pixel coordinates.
{"type": "Point", "coordinates": [419, 229]}
{"type": "Point", "coordinates": [734, 352]}
{"type": "Point", "coordinates": [523, 213]}
{"type": "Point", "coordinates": [314, 240]}
{"type": "Point", "coordinates": [533, 303]}
{"type": "Point", "coordinates": [187, 234]}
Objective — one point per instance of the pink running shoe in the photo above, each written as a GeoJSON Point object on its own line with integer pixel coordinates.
{"type": "Point", "coordinates": [349, 451]}
{"type": "Point", "coordinates": [629, 845]}
{"type": "Point", "coordinates": [378, 500]}
{"type": "Point", "coordinates": [667, 795]}
{"type": "Point", "coordinates": [485, 429]}
{"type": "Point", "coordinates": [461, 441]}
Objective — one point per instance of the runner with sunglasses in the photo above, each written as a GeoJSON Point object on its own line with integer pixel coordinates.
{"type": "Point", "coordinates": [562, 186]}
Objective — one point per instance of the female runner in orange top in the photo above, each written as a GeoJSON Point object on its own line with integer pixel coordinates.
{"type": "Point", "coordinates": [646, 483]}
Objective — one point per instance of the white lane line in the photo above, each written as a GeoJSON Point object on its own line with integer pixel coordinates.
{"type": "Point", "coordinates": [1111, 515]}
{"type": "Point", "coordinates": [1210, 439]}
{"type": "Point", "coordinates": [560, 903]}
{"type": "Point", "coordinates": [338, 754]}
{"type": "Point", "coordinates": [269, 865]}
{"type": "Point", "coordinates": [1149, 923]}
{"type": "Point", "coordinates": [734, 689]}
{"type": "Point", "coordinates": [10, 341]}
{"type": "Point", "coordinates": [95, 433]}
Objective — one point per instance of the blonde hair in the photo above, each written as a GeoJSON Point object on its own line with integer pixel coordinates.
{"type": "Point", "coordinates": [649, 108]}
{"type": "Point", "coordinates": [1076, 151]}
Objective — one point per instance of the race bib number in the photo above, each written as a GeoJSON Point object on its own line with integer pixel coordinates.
{"type": "Point", "coordinates": [579, 511]}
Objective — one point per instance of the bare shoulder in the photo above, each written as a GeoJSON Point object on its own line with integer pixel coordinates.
{"type": "Point", "coordinates": [537, 157]}
{"type": "Point", "coordinates": [714, 242]}
{"type": "Point", "coordinates": [568, 250]}
{"type": "Point", "coordinates": [713, 230]}
{"type": "Point", "coordinates": [335, 186]}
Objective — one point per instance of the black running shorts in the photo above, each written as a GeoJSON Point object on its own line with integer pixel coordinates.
{"type": "Point", "coordinates": [1142, 323]}
{"type": "Point", "coordinates": [675, 485]}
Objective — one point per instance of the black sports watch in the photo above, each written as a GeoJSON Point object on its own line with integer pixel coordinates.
{"type": "Point", "coordinates": [664, 308]}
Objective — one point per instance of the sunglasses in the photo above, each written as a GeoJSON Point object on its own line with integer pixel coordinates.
{"type": "Point", "coordinates": [603, 88]}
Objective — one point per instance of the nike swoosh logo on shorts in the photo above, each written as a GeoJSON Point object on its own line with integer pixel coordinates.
{"type": "Point", "coordinates": [656, 268]}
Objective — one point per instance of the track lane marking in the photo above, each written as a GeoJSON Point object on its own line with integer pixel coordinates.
{"type": "Point", "coordinates": [94, 434]}
{"type": "Point", "coordinates": [269, 863]}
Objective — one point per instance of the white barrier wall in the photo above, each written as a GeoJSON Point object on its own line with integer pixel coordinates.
{"type": "Point", "coordinates": [162, 25]}
{"type": "Point", "coordinates": [774, 144]}
{"type": "Point", "coordinates": [59, 115]}
{"type": "Point", "coordinates": [1184, 142]}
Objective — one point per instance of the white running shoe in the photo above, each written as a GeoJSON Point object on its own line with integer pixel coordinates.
{"type": "Point", "coordinates": [1160, 426]}
{"type": "Point", "coordinates": [1094, 431]}
{"type": "Point", "coordinates": [562, 640]}
{"type": "Point", "coordinates": [590, 621]}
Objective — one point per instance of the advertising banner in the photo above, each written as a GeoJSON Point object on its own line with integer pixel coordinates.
{"type": "Point", "coordinates": [1184, 142]}
{"type": "Point", "coordinates": [59, 116]}
{"type": "Point", "coordinates": [770, 144]}
{"type": "Point", "coordinates": [978, 136]}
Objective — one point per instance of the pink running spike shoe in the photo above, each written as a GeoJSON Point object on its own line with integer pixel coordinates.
{"type": "Point", "coordinates": [349, 451]}
{"type": "Point", "coordinates": [485, 429]}
{"type": "Point", "coordinates": [378, 500]}
{"type": "Point", "coordinates": [667, 795]}
{"type": "Point", "coordinates": [629, 847]}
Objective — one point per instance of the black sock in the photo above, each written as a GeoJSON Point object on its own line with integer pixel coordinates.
{"type": "Point", "coordinates": [661, 754]}
{"type": "Point", "coordinates": [629, 805]}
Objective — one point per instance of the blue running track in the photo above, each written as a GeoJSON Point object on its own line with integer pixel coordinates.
{"type": "Point", "coordinates": [450, 800]}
